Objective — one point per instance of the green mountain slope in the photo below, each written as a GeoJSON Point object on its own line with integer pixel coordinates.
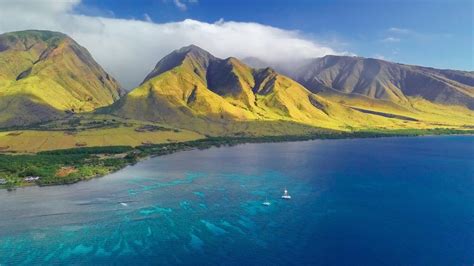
{"type": "Point", "coordinates": [43, 74]}
{"type": "Point", "coordinates": [190, 88]}
{"type": "Point", "coordinates": [193, 89]}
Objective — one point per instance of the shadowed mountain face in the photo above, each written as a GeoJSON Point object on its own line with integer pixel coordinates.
{"type": "Point", "coordinates": [193, 89]}
{"type": "Point", "coordinates": [384, 80]}
{"type": "Point", "coordinates": [43, 74]}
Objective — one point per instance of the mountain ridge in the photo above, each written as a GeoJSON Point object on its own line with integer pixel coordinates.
{"type": "Point", "coordinates": [381, 79]}
{"type": "Point", "coordinates": [52, 74]}
{"type": "Point", "coordinates": [45, 75]}
{"type": "Point", "coordinates": [210, 88]}
{"type": "Point", "coordinates": [192, 88]}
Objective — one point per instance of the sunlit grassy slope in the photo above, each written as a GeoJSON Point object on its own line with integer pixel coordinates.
{"type": "Point", "coordinates": [43, 74]}
{"type": "Point", "coordinates": [90, 131]}
{"type": "Point", "coordinates": [34, 141]}
{"type": "Point", "coordinates": [417, 113]}
{"type": "Point", "coordinates": [192, 89]}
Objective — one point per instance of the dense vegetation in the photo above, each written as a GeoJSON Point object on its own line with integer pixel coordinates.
{"type": "Point", "coordinates": [72, 165]}
{"type": "Point", "coordinates": [77, 164]}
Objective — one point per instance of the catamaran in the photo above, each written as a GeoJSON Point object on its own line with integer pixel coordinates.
{"type": "Point", "coordinates": [286, 195]}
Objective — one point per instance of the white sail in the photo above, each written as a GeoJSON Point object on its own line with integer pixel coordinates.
{"type": "Point", "coordinates": [266, 202]}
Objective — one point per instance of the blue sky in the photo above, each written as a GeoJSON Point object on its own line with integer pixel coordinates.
{"type": "Point", "coordinates": [431, 33]}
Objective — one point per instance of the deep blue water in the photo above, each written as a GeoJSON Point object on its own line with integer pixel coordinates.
{"type": "Point", "coordinates": [391, 201]}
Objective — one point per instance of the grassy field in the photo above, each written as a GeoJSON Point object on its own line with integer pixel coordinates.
{"type": "Point", "coordinates": [89, 131]}
{"type": "Point", "coordinates": [106, 131]}
{"type": "Point", "coordinates": [34, 140]}
{"type": "Point", "coordinates": [418, 113]}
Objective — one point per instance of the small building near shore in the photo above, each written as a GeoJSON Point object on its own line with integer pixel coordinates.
{"type": "Point", "coordinates": [31, 178]}
{"type": "Point", "coordinates": [3, 181]}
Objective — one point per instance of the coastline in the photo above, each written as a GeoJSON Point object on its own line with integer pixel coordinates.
{"type": "Point", "coordinates": [115, 158]}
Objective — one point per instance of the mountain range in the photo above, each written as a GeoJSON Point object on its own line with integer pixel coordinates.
{"type": "Point", "coordinates": [379, 79]}
{"type": "Point", "coordinates": [46, 74]}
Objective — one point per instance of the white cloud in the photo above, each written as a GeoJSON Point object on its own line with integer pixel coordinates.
{"type": "Point", "coordinates": [390, 39]}
{"type": "Point", "coordinates": [400, 30]}
{"type": "Point", "coordinates": [179, 4]}
{"type": "Point", "coordinates": [129, 48]}
{"type": "Point", "coordinates": [220, 21]}
{"type": "Point", "coordinates": [147, 18]}
{"type": "Point", "coordinates": [183, 4]}
{"type": "Point", "coordinates": [379, 56]}
{"type": "Point", "coordinates": [419, 36]}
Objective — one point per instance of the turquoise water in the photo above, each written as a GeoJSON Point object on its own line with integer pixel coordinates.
{"type": "Point", "coordinates": [392, 201]}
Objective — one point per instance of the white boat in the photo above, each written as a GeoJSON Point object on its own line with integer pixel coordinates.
{"type": "Point", "coordinates": [286, 195]}
{"type": "Point", "coordinates": [266, 202]}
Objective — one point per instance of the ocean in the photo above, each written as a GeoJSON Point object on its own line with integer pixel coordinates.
{"type": "Point", "coordinates": [385, 201]}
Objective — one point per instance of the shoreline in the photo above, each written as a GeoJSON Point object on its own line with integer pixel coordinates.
{"type": "Point", "coordinates": [132, 155]}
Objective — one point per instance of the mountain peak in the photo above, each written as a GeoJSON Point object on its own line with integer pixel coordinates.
{"type": "Point", "coordinates": [192, 49]}
{"type": "Point", "coordinates": [44, 74]}
{"type": "Point", "coordinates": [196, 52]}
{"type": "Point", "coordinates": [389, 81]}
{"type": "Point", "coordinates": [192, 52]}
{"type": "Point", "coordinates": [25, 40]}
{"type": "Point", "coordinates": [43, 35]}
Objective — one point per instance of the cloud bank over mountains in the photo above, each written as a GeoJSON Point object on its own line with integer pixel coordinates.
{"type": "Point", "coordinates": [129, 48]}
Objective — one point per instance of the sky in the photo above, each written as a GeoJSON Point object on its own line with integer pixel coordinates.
{"type": "Point", "coordinates": [129, 37]}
